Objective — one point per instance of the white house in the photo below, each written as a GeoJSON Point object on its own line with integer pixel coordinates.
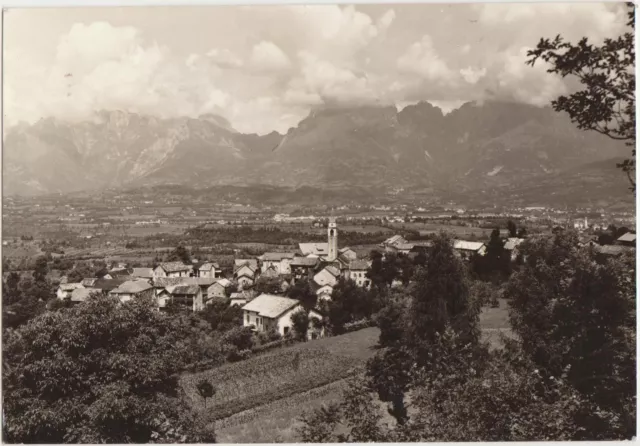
{"type": "Point", "coordinates": [327, 276]}
{"type": "Point", "coordinates": [132, 289]}
{"type": "Point", "coordinates": [189, 295]}
{"type": "Point", "coordinates": [245, 275]}
{"type": "Point", "coordinates": [512, 244]}
{"type": "Point", "coordinates": [466, 249]}
{"type": "Point", "coordinates": [268, 311]}
{"type": "Point", "coordinates": [66, 289]}
{"type": "Point", "coordinates": [391, 242]}
{"type": "Point", "coordinates": [218, 289]}
{"type": "Point", "coordinates": [281, 261]}
{"type": "Point", "coordinates": [209, 269]}
{"type": "Point", "coordinates": [173, 269]}
{"type": "Point", "coordinates": [357, 271]}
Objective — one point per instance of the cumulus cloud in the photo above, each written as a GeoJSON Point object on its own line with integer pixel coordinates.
{"type": "Point", "coordinates": [289, 60]}
{"type": "Point", "coordinates": [224, 58]}
{"type": "Point", "coordinates": [422, 59]}
{"type": "Point", "coordinates": [473, 75]}
{"type": "Point", "coordinates": [268, 57]}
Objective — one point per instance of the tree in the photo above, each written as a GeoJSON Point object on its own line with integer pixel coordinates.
{"type": "Point", "coordinates": [300, 322]}
{"type": "Point", "coordinates": [100, 372]}
{"type": "Point", "coordinates": [511, 227]}
{"type": "Point", "coordinates": [221, 316]}
{"type": "Point", "coordinates": [606, 104]}
{"type": "Point", "coordinates": [302, 291]}
{"type": "Point", "coordinates": [180, 254]}
{"type": "Point", "coordinates": [40, 271]}
{"type": "Point", "coordinates": [205, 389]}
{"type": "Point", "coordinates": [575, 314]}
{"type": "Point", "coordinates": [268, 285]}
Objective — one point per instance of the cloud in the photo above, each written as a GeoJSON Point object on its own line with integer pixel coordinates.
{"type": "Point", "coordinates": [289, 60]}
{"type": "Point", "coordinates": [422, 59]}
{"type": "Point", "coordinates": [224, 58]}
{"type": "Point", "coordinates": [473, 75]}
{"type": "Point", "coordinates": [267, 57]}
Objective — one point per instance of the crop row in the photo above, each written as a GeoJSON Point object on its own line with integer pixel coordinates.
{"type": "Point", "coordinates": [252, 383]}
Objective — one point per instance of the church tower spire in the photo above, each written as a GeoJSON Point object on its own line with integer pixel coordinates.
{"type": "Point", "coordinates": [332, 234]}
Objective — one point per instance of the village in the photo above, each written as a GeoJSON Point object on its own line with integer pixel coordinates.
{"type": "Point", "coordinates": [198, 284]}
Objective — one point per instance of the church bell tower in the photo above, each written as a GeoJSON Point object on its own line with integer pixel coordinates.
{"type": "Point", "coordinates": [332, 233]}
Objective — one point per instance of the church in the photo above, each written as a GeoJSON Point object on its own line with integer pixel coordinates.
{"type": "Point", "coordinates": [330, 261]}
{"type": "Point", "coordinates": [329, 252]}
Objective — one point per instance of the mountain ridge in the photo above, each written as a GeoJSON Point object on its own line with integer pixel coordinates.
{"type": "Point", "coordinates": [475, 147]}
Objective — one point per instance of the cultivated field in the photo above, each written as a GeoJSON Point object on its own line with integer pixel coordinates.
{"type": "Point", "coordinates": [283, 373]}
{"type": "Point", "coordinates": [277, 421]}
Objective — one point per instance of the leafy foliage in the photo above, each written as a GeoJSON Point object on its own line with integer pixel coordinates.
{"type": "Point", "coordinates": [607, 103]}
{"type": "Point", "coordinates": [573, 313]}
{"type": "Point", "coordinates": [99, 372]}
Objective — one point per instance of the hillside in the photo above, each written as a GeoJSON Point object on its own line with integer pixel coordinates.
{"type": "Point", "coordinates": [494, 146]}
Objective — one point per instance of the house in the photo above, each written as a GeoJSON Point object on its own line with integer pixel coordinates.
{"type": "Point", "coordinates": [281, 261]}
{"type": "Point", "coordinates": [88, 281]}
{"type": "Point", "coordinates": [347, 253]}
{"type": "Point", "coordinates": [325, 280]}
{"type": "Point", "coordinates": [357, 271]}
{"type": "Point", "coordinates": [466, 249]}
{"type": "Point", "coordinates": [391, 242]}
{"type": "Point", "coordinates": [628, 239]}
{"type": "Point", "coordinates": [173, 269]}
{"type": "Point", "coordinates": [65, 289]}
{"type": "Point", "coordinates": [119, 273]}
{"type": "Point", "coordinates": [327, 276]}
{"type": "Point", "coordinates": [142, 273]}
{"type": "Point", "coordinates": [132, 289]}
{"type": "Point", "coordinates": [209, 269]}
{"type": "Point", "coordinates": [512, 244]}
{"type": "Point", "coordinates": [190, 296]}
{"type": "Point", "coordinates": [253, 263]}
{"type": "Point", "coordinates": [267, 312]}
{"type": "Point", "coordinates": [314, 249]}
{"type": "Point", "coordinates": [103, 285]}
{"type": "Point", "coordinates": [80, 295]}
{"type": "Point", "coordinates": [613, 250]}
{"type": "Point", "coordinates": [245, 275]}
{"type": "Point", "coordinates": [218, 289]}
{"type": "Point", "coordinates": [302, 267]}
{"type": "Point", "coordinates": [241, 298]}
{"type": "Point", "coordinates": [401, 248]}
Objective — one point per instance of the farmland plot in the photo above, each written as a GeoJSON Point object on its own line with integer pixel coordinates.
{"type": "Point", "coordinates": [275, 375]}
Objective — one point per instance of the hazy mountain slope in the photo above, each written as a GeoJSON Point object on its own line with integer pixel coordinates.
{"type": "Point", "coordinates": [476, 147]}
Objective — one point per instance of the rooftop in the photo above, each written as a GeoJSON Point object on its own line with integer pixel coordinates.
{"type": "Point", "coordinates": [81, 294]}
{"type": "Point", "coordinates": [132, 287]}
{"type": "Point", "coordinates": [467, 246]}
{"type": "Point", "coordinates": [277, 256]}
{"type": "Point", "coordinates": [318, 249]}
{"type": "Point", "coordinates": [628, 237]}
{"type": "Point", "coordinates": [358, 265]}
{"type": "Point", "coordinates": [172, 267]}
{"type": "Point", "coordinates": [304, 261]}
{"type": "Point", "coordinates": [184, 289]}
{"type": "Point", "coordinates": [146, 273]}
{"type": "Point", "coordinates": [270, 306]}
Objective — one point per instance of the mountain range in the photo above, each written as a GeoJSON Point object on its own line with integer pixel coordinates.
{"type": "Point", "coordinates": [487, 148]}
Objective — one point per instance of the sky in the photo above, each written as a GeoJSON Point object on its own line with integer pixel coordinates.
{"type": "Point", "coordinates": [264, 68]}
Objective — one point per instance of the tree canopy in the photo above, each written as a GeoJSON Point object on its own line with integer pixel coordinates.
{"type": "Point", "coordinates": [99, 372]}
{"type": "Point", "coordinates": [606, 103]}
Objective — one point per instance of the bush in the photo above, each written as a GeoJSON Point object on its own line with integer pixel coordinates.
{"type": "Point", "coordinates": [358, 325]}
{"type": "Point", "coordinates": [238, 355]}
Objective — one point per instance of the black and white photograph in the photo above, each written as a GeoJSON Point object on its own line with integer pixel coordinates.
{"type": "Point", "coordinates": [318, 223]}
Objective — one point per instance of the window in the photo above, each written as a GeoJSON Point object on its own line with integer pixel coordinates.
{"type": "Point", "coordinates": [286, 330]}
{"type": "Point", "coordinates": [248, 318]}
